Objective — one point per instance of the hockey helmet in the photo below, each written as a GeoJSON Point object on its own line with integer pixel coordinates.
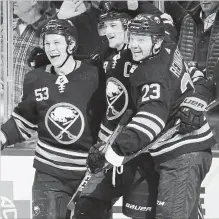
{"type": "Point", "coordinates": [113, 10]}
{"type": "Point", "coordinates": [61, 27]}
{"type": "Point", "coordinates": [110, 16]}
{"type": "Point", "coordinates": [147, 24]}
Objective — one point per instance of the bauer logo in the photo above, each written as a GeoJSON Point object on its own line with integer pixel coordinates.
{"type": "Point", "coordinates": [11, 208]}
{"type": "Point", "coordinates": [137, 207]}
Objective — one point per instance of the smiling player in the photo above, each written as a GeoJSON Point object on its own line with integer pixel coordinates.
{"type": "Point", "coordinates": [59, 103]}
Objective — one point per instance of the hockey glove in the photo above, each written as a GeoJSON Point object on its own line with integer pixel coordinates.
{"type": "Point", "coordinates": [37, 58]}
{"type": "Point", "coordinates": [96, 157]}
{"type": "Point", "coordinates": [191, 114]}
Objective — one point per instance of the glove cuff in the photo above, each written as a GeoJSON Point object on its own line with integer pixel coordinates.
{"type": "Point", "coordinates": [194, 103]}
{"type": "Point", "coordinates": [113, 158]}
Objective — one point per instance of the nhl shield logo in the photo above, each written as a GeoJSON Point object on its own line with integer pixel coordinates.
{"type": "Point", "coordinates": [65, 122]}
{"type": "Point", "coordinates": [117, 98]}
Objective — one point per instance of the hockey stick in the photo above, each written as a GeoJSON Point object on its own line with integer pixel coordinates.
{"type": "Point", "coordinates": [124, 120]}
{"type": "Point", "coordinates": [167, 135]}
{"type": "Point", "coordinates": [212, 105]}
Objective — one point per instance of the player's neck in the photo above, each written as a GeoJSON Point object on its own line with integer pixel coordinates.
{"type": "Point", "coordinates": [120, 47]}
{"type": "Point", "coordinates": [67, 68]}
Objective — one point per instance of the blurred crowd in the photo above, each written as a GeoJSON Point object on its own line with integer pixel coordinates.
{"type": "Point", "coordinates": [196, 23]}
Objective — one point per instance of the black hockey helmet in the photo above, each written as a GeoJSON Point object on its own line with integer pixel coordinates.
{"type": "Point", "coordinates": [113, 10]}
{"type": "Point", "coordinates": [61, 27]}
{"type": "Point", "coordinates": [112, 15]}
{"type": "Point", "coordinates": [147, 24]}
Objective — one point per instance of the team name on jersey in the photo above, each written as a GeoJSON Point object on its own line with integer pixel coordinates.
{"type": "Point", "coordinates": [177, 64]}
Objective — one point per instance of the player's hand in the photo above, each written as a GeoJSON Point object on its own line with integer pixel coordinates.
{"type": "Point", "coordinates": [191, 115]}
{"type": "Point", "coordinates": [37, 58]}
{"type": "Point", "coordinates": [96, 157]}
{"type": "Point", "coordinates": [71, 8]}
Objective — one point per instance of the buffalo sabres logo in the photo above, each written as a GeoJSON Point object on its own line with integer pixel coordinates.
{"type": "Point", "coordinates": [117, 98]}
{"type": "Point", "coordinates": [65, 122]}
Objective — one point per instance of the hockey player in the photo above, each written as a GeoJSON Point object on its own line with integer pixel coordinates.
{"type": "Point", "coordinates": [60, 103]}
{"type": "Point", "coordinates": [162, 90]}
{"type": "Point", "coordinates": [100, 192]}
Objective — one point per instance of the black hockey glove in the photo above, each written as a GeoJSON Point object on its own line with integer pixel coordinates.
{"type": "Point", "coordinates": [191, 114]}
{"type": "Point", "coordinates": [37, 58]}
{"type": "Point", "coordinates": [96, 157]}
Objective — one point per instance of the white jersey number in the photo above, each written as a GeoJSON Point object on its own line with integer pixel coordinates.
{"type": "Point", "coordinates": [42, 94]}
{"type": "Point", "coordinates": [154, 92]}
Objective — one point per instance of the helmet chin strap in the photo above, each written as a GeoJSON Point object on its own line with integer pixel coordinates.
{"type": "Point", "coordinates": [153, 51]}
{"type": "Point", "coordinates": [65, 59]}
{"type": "Point", "coordinates": [123, 46]}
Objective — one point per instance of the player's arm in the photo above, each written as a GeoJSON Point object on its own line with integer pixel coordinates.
{"type": "Point", "coordinates": [22, 123]}
{"type": "Point", "coordinates": [145, 126]}
{"type": "Point", "coordinates": [203, 86]}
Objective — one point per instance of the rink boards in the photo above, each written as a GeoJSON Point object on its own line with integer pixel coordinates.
{"type": "Point", "coordinates": [17, 176]}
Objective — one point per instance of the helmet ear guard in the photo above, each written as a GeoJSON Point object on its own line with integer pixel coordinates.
{"type": "Point", "coordinates": [72, 44]}
{"type": "Point", "coordinates": [72, 47]}
{"type": "Point", "coordinates": [157, 42]}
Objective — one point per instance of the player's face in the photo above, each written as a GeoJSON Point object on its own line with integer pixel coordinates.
{"type": "Point", "coordinates": [141, 46]}
{"type": "Point", "coordinates": [115, 33]}
{"type": "Point", "coordinates": [209, 7]}
{"type": "Point", "coordinates": [56, 49]}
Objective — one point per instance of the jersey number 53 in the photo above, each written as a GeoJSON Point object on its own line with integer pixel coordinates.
{"type": "Point", "coordinates": [42, 94]}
